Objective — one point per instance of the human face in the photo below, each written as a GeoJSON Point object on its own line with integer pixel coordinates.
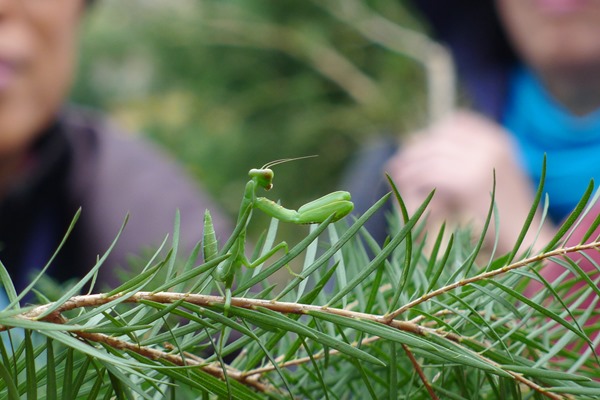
{"type": "Point", "coordinates": [554, 36]}
{"type": "Point", "coordinates": [38, 41]}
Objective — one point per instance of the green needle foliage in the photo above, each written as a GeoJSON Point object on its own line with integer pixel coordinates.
{"type": "Point", "coordinates": [416, 318]}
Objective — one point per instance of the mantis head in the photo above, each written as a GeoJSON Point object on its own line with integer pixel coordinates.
{"type": "Point", "coordinates": [263, 177]}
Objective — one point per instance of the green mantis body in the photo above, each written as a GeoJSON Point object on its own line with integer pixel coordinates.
{"type": "Point", "coordinates": [336, 203]}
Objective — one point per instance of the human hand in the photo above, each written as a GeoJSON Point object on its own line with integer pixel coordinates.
{"type": "Point", "coordinates": [458, 157]}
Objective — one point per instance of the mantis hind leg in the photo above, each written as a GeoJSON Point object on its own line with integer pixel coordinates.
{"type": "Point", "coordinates": [269, 254]}
{"type": "Point", "coordinates": [227, 304]}
{"type": "Point", "coordinates": [226, 275]}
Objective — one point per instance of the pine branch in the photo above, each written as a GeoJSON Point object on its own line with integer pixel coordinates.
{"type": "Point", "coordinates": [251, 378]}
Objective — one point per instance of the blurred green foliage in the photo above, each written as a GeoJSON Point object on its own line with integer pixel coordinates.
{"type": "Point", "coordinates": [227, 85]}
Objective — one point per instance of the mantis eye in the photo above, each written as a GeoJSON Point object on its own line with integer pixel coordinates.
{"type": "Point", "coordinates": [263, 177]}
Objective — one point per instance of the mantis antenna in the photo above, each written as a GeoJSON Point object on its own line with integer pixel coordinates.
{"type": "Point", "coordinates": [284, 160]}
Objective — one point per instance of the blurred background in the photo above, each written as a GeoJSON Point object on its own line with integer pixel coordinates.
{"type": "Point", "coordinates": [228, 85]}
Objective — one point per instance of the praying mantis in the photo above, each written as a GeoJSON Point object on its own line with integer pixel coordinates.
{"type": "Point", "coordinates": [337, 203]}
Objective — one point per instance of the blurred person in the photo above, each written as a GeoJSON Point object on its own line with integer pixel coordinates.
{"type": "Point", "coordinates": [532, 71]}
{"type": "Point", "coordinates": [56, 158]}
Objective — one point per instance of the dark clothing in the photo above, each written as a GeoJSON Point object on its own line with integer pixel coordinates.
{"type": "Point", "coordinates": [480, 49]}
{"type": "Point", "coordinates": [366, 182]}
{"type": "Point", "coordinates": [84, 161]}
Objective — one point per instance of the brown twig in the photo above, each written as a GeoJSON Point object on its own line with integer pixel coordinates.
{"type": "Point", "coordinates": [96, 300]}
{"type": "Point", "coordinates": [420, 372]}
{"type": "Point", "coordinates": [154, 354]}
{"type": "Point", "coordinates": [490, 274]}
{"type": "Point", "coordinates": [304, 360]}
